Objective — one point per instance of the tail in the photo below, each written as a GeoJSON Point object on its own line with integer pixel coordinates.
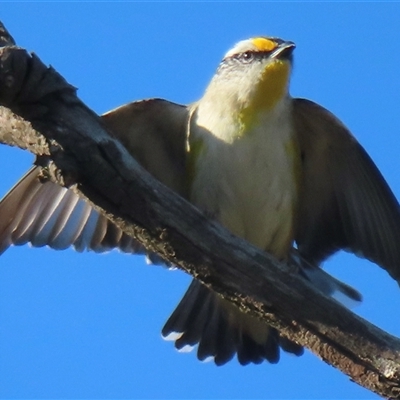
{"type": "Point", "coordinates": [221, 330]}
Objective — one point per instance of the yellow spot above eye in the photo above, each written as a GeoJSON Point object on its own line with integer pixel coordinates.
{"type": "Point", "coordinates": [264, 44]}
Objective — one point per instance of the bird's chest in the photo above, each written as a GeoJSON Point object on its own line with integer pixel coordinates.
{"type": "Point", "coordinates": [250, 186]}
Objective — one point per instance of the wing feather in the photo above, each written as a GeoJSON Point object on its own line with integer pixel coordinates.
{"type": "Point", "coordinates": [153, 131]}
{"type": "Point", "coordinates": [345, 201]}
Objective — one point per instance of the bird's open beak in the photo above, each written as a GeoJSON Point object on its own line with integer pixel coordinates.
{"type": "Point", "coordinates": [284, 51]}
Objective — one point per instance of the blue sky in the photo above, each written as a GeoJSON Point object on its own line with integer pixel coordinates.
{"type": "Point", "coordinates": [88, 326]}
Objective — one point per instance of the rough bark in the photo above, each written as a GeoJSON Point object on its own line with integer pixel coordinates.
{"type": "Point", "coordinates": [42, 114]}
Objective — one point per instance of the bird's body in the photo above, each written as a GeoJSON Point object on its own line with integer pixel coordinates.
{"type": "Point", "coordinates": [245, 152]}
{"type": "Point", "coordinates": [222, 188]}
{"type": "Point", "coordinates": [282, 173]}
{"type": "Point", "coordinates": [247, 182]}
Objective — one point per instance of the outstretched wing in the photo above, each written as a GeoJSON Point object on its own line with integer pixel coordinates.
{"type": "Point", "coordinates": [154, 132]}
{"type": "Point", "coordinates": [345, 201]}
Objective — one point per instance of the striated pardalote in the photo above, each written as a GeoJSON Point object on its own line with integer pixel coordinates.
{"type": "Point", "coordinates": [281, 172]}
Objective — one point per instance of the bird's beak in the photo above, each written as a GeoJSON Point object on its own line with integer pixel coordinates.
{"type": "Point", "coordinates": [284, 51]}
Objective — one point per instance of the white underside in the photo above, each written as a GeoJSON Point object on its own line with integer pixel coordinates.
{"type": "Point", "coordinates": [248, 183]}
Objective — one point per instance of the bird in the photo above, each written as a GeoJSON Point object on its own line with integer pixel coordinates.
{"type": "Point", "coordinates": [283, 173]}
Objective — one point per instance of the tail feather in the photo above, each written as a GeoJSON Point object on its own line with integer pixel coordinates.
{"type": "Point", "coordinates": [189, 316]}
{"type": "Point", "coordinates": [290, 347]}
{"type": "Point", "coordinates": [195, 325]}
{"type": "Point", "coordinates": [209, 337]}
{"type": "Point", "coordinates": [251, 352]}
{"type": "Point", "coordinates": [226, 340]}
{"type": "Point", "coordinates": [221, 330]}
{"type": "Point", "coordinates": [271, 347]}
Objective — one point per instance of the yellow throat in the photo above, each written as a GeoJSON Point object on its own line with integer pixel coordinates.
{"type": "Point", "coordinates": [271, 88]}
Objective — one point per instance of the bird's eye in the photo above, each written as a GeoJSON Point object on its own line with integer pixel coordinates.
{"type": "Point", "coordinates": [247, 56]}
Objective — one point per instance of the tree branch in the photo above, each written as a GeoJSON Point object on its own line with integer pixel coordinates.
{"type": "Point", "coordinates": [44, 116]}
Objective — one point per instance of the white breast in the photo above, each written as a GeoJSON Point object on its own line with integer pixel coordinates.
{"type": "Point", "coordinates": [249, 184]}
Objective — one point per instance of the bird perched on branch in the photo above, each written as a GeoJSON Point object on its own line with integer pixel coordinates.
{"type": "Point", "coordinates": [283, 173]}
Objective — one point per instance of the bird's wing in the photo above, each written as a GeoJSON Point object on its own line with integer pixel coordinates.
{"type": "Point", "coordinates": [345, 202]}
{"type": "Point", "coordinates": [154, 132]}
